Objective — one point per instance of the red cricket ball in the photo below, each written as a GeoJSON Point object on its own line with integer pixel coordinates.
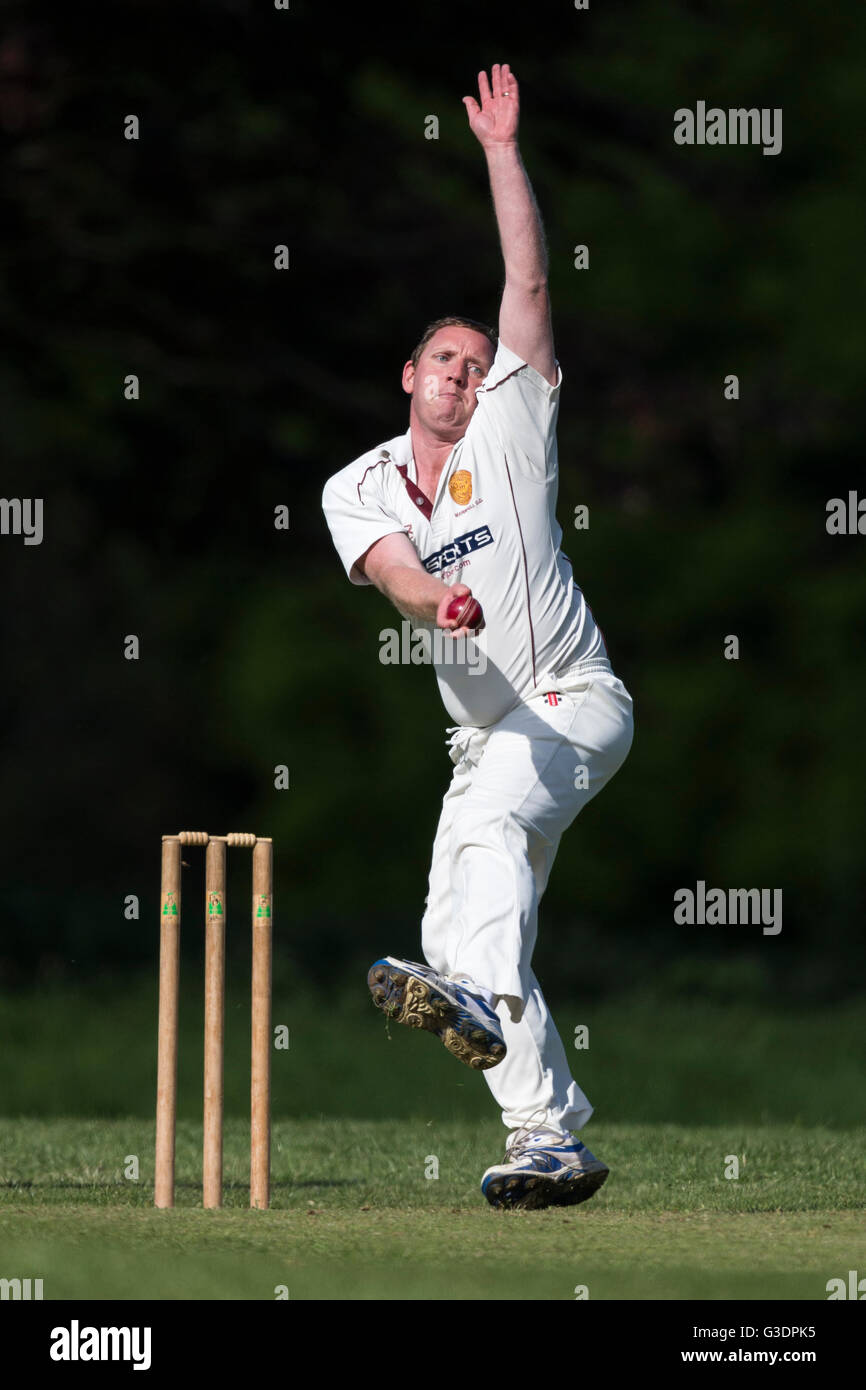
{"type": "Point", "coordinates": [467, 611]}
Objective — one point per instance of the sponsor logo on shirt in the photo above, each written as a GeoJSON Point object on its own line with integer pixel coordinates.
{"type": "Point", "coordinates": [462, 545]}
{"type": "Point", "coordinates": [460, 487]}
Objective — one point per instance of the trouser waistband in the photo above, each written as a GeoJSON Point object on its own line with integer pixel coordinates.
{"type": "Point", "coordinates": [586, 667]}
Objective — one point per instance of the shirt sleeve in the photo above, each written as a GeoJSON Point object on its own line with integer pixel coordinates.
{"type": "Point", "coordinates": [357, 515]}
{"type": "Point", "coordinates": [521, 408]}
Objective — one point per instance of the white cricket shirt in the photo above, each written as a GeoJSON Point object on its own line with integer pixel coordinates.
{"type": "Point", "coordinates": [492, 525]}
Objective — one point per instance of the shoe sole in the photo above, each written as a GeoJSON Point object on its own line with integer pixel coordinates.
{"type": "Point", "coordinates": [410, 1000]}
{"type": "Point", "coordinates": [533, 1191]}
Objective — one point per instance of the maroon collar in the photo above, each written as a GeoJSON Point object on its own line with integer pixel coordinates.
{"type": "Point", "coordinates": [421, 502]}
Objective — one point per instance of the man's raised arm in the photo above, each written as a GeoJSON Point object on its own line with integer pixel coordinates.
{"type": "Point", "coordinates": [524, 315]}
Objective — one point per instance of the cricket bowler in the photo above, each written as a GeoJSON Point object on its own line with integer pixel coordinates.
{"type": "Point", "coordinates": [455, 523]}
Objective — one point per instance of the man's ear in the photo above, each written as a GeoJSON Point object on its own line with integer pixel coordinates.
{"type": "Point", "coordinates": [408, 378]}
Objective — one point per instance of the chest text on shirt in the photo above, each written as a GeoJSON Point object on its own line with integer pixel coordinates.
{"type": "Point", "coordinates": [462, 545]}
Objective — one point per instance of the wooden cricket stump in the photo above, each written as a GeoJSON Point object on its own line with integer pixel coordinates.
{"type": "Point", "coordinates": [214, 1015]}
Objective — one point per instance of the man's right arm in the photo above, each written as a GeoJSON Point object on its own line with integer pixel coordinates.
{"type": "Point", "coordinates": [392, 565]}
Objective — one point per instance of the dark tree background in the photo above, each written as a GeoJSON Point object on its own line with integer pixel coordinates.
{"type": "Point", "coordinates": [707, 517]}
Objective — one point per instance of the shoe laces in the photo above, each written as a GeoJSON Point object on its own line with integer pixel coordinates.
{"type": "Point", "coordinates": [521, 1138]}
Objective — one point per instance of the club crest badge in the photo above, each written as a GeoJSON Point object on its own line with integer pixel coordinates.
{"type": "Point", "coordinates": [460, 487]}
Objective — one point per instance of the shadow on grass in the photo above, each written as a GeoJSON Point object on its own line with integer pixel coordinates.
{"type": "Point", "coordinates": [82, 1185]}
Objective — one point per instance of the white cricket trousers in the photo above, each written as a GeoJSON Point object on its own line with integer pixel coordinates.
{"type": "Point", "coordinates": [516, 787]}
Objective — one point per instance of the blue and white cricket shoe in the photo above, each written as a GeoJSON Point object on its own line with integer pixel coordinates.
{"type": "Point", "coordinates": [420, 997]}
{"type": "Point", "coordinates": [543, 1168]}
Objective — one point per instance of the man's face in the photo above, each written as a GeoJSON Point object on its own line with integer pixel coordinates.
{"type": "Point", "coordinates": [451, 366]}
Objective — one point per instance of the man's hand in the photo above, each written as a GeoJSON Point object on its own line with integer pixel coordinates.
{"type": "Point", "coordinates": [494, 122]}
{"type": "Point", "coordinates": [456, 591]}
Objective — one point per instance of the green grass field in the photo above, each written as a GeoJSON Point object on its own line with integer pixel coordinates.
{"type": "Point", "coordinates": [360, 1114]}
{"type": "Point", "coordinates": [355, 1217]}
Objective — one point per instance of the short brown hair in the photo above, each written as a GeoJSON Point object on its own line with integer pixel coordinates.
{"type": "Point", "coordinates": [455, 321]}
